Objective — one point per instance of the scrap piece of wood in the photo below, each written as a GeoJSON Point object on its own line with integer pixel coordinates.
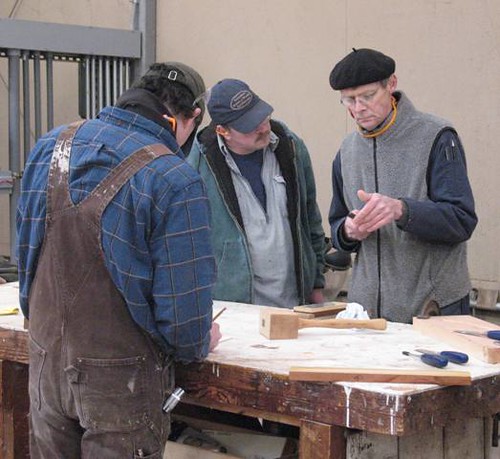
{"type": "Point", "coordinates": [442, 328]}
{"type": "Point", "coordinates": [280, 325]}
{"type": "Point", "coordinates": [322, 441]}
{"type": "Point", "coordinates": [440, 377]}
{"type": "Point", "coordinates": [321, 310]}
{"type": "Point", "coordinates": [14, 407]}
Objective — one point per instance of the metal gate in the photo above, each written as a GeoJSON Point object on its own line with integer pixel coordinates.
{"type": "Point", "coordinates": [107, 60]}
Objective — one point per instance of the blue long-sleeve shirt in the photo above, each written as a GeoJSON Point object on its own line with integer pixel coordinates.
{"type": "Point", "coordinates": [447, 217]}
{"type": "Point", "coordinates": [155, 232]}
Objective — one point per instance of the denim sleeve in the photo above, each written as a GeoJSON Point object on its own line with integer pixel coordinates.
{"type": "Point", "coordinates": [449, 215]}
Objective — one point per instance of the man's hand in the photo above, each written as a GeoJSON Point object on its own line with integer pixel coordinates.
{"type": "Point", "coordinates": [317, 296]}
{"type": "Point", "coordinates": [215, 336]}
{"type": "Point", "coordinates": [379, 210]}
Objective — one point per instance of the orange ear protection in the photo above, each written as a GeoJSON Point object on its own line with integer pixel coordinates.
{"type": "Point", "coordinates": [172, 121]}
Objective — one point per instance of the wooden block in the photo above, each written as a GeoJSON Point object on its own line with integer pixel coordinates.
{"type": "Point", "coordinates": [278, 325]}
{"type": "Point", "coordinates": [321, 310]}
{"type": "Point", "coordinates": [442, 328]}
{"type": "Point", "coordinates": [281, 325]}
{"type": "Point", "coordinates": [440, 377]}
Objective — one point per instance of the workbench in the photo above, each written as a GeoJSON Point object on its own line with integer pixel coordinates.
{"type": "Point", "coordinates": [248, 374]}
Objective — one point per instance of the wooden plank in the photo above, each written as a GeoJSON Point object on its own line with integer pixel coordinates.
{"type": "Point", "coordinates": [440, 377]}
{"type": "Point", "coordinates": [442, 328]}
{"type": "Point", "coordinates": [428, 444]}
{"type": "Point", "coordinates": [367, 445]}
{"type": "Point", "coordinates": [490, 451]}
{"type": "Point", "coordinates": [321, 310]}
{"type": "Point", "coordinates": [464, 438]}
{"type": "Point", "coordinates": [180, 451]}
{"type": "Point", "coordinates": [14, 406]}
{"type": "Point", "coordinates": [14, 345]}
{"type": "Point", "coordinates": [321, 441]}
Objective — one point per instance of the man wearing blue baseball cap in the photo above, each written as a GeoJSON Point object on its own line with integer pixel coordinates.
{"type": "Point", "coordinates": [267, 233]}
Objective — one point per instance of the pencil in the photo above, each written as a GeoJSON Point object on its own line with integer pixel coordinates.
{"type": "Point", "coordinates": [218, 314]}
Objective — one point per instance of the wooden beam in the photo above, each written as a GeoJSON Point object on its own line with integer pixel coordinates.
{"type": "Point", "coordinates": [14, 407]}
{"type": "Point", "coordinates": [440, 377]}
{"type": "Point", "coordinates": [321, 441]}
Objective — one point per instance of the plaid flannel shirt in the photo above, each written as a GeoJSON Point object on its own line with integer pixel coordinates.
{"type": "Point", "coordinates": [155, 232]}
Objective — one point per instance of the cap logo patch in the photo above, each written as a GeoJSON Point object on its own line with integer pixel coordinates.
{"type": "Point", "coordinates": [241, 100]}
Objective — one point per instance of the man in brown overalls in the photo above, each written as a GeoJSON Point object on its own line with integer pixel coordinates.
{"type": "Point", "coordinates": [115, 271]}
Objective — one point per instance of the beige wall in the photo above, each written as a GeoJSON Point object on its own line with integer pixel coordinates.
{"type": "Point", "coordinates": [447, 61]}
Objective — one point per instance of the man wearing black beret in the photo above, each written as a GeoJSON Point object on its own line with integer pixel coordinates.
{"type": "Point", "coordinates": [401, 197]}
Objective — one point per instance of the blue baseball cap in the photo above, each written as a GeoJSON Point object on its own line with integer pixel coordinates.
{"type": "Point", "coordinates": [232, 103]}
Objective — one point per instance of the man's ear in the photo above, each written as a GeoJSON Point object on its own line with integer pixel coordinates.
{"type": "Point", "coordinates": [196, 112]}
{"type": "Point", "coordinates": [222, 131]}
{"type": "Point", "coordinates": [392, 83]}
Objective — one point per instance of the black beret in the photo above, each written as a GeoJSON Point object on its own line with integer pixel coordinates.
{"type": "Point", "coordinates": [361, 66]}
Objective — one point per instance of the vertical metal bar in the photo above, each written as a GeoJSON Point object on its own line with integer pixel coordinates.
{"type": "Point", "coordinates": [115, 80]}
{"type": "Point", "coordinates": [14, 142]}
{"type": "Point", "coordinates": [50, 90]}
{"type": "Point", "coordinates": [26, 106]}
{"type": "Point", "coordinates": [87, 87]}
{"type": "Point", "coordinates": [145, 22]}
{"type": "Point", "coordinates": [38, 96]}
{"type": "Point", "coordinates": [92, 88]}
{"type": "Point", "coordinates": [107, 79]}
{"type": "Point", "coordinates": [127, 74]}
{"type": "Point", "coordinates": [100, 85]}
{"type": "Point", "coordinates": [120, 75]}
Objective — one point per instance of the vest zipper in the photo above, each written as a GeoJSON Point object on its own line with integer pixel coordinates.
{"type": "Point", "coordinates": [379, 270]}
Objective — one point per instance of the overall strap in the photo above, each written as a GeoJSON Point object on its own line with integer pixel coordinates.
{"type": "Point", "coordinates": [58, 196]}
{"type": "Point", "coordinates": [108, 188]}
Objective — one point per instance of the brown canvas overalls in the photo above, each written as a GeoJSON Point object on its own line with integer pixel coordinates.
{"type": "Point", "coordinates": [96, 381]}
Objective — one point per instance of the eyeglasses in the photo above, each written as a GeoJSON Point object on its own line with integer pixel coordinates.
{"type": "Point", "coordinates": [363, 99]}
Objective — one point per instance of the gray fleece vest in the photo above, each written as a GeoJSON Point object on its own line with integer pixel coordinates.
{"type": "Point", "coordinates": [395, 265]}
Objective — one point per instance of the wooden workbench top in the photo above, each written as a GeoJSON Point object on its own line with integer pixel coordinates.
{"type": "Point", "coordinates": [248, 373]}
{"type": "Point", "coordinates": [242, 345]}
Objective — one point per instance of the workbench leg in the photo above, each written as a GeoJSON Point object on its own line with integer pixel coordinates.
{"type": "Point", "coordinates": [14, 407]}
{"type": "Point", "coordinates": [321, 441]}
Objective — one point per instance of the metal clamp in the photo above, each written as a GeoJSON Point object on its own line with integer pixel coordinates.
{"type": "Point", "coordinates": [173, 400]}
